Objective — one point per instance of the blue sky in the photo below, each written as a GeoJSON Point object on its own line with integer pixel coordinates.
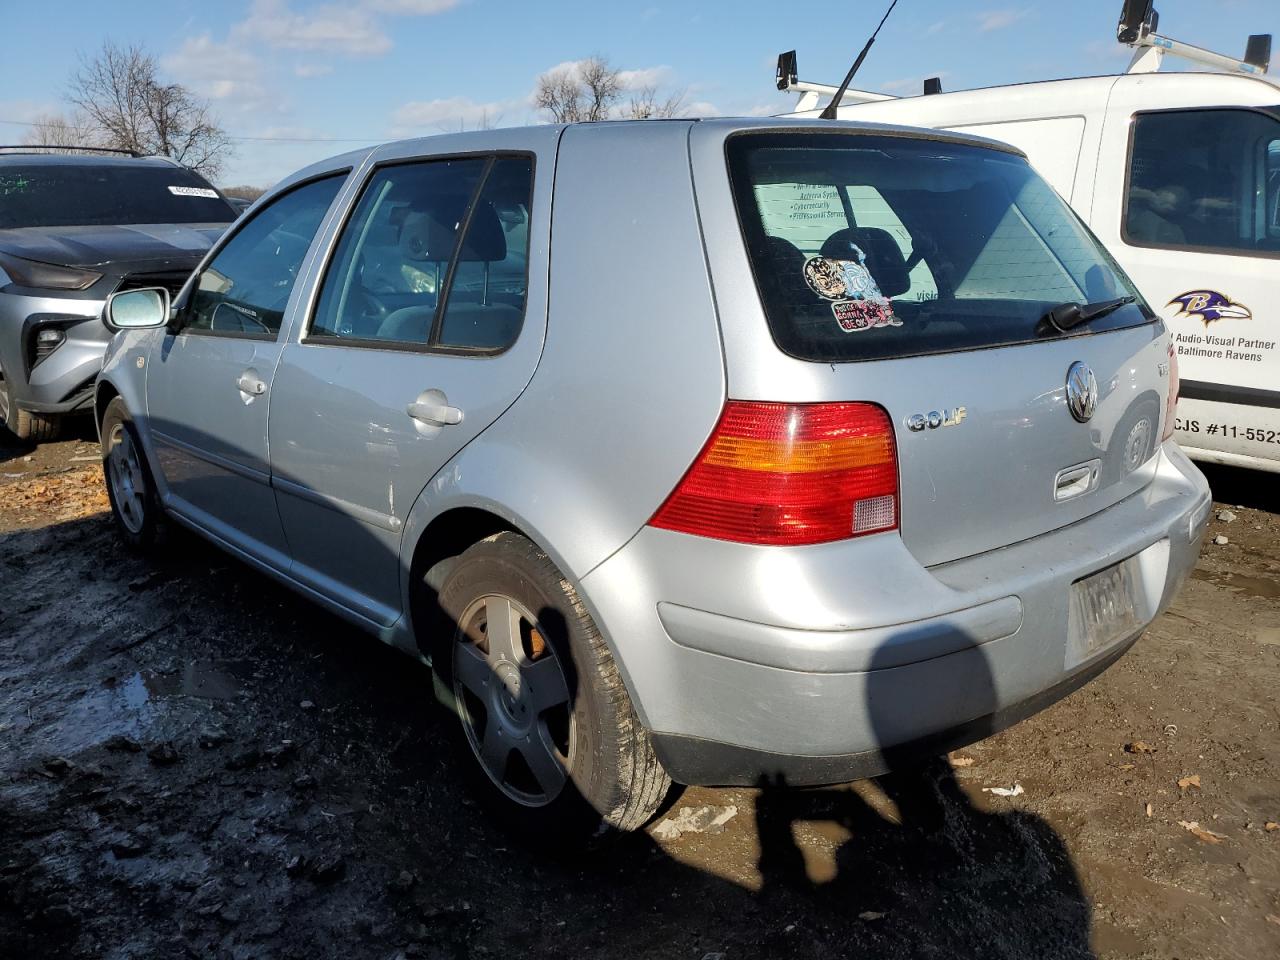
{"type": "Point", "coordinates": [358, 71]}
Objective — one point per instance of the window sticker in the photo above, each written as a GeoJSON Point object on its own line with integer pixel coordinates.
{"type": "Point", "coordinates": [858, 303]}
{"type": "Point", "coordinates": [194, 192]}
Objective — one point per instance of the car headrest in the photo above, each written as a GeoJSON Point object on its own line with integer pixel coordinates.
{"type": "Point", "coordinates": [428, 232]}
{"type": "Point", "coordinates": [884, 257]}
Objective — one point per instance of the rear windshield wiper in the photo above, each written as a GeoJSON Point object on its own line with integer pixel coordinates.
{"type": "Point", "coordinates": [1067, 316]}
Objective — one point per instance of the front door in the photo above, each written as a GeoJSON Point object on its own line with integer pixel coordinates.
{"type": "Point", "coordinates": [424, 330]}
{"type": "Point", "coordinates": [209, 379]}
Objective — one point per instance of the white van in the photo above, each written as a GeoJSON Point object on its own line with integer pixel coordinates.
{"type": "Point", "coordinates": [1179, 175]}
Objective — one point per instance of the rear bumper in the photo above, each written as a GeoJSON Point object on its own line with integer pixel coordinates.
{"type": "Point", "coordinates": [832, 662]}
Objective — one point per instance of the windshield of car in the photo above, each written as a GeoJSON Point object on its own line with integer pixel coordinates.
{"type": "Point", "coordinates": [868, 247]}
{"type": "Point", "coordinates": [90, 194]}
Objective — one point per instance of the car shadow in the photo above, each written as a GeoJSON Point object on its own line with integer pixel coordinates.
{"type": "Point", "coordinates": [342, 830]}
{"type": "Point", "coordinates": [1242, 487]}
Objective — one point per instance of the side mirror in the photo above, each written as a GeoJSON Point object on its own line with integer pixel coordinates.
{"type": "Point", "coordinates": [136, 309]}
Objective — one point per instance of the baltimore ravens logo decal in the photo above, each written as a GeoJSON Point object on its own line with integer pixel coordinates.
{"type": "Point", "coordinates": [1209, 305]}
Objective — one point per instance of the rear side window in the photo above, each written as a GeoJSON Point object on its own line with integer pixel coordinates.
{"type": "Point", "coordinates": [435, 255]}
{"type": "Point", "coordinates": [1205, 180]}
{"type": "Point", "coordinates": [868, 247]}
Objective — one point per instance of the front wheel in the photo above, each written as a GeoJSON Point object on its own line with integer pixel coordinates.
{"type": "Point", "coordinates": [24, 425]}
{"type": "Point", "coordinates": [135, 506]}
{"type": "Point", "coordinates": [543, 710]}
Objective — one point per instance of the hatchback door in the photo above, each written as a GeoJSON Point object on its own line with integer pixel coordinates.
{"type": "Point", "coordinates": [427, 324]}
{"type": "Point", "coordinates": [918, 273]}
{"type": "Point", "coordinates": [208, 379]}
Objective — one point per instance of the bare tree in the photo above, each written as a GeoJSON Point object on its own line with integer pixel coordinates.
{"type": "Point", "coordinates": [645, 105]}
{"type": "Point", "coordinates": [585, 91]}
{"type": "Point", "coordinates": [119, 91]}
{"type": "Point", "coordinates": [60, 130]}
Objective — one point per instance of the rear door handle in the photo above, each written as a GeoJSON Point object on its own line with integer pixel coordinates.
{"type": "Point", "coordinates": [434, 414]}
{"type": "Point", "coordinates": [251, 384]}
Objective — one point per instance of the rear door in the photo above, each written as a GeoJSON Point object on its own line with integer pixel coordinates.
{"type": "Point", "coordinates": [427, 324]}
{"type": "Point", "coordinates": [1192, 205]}
{"type": "Point", "coordinates": [914, 274]}
{"type": "Point", "coordinates": [208, 380]}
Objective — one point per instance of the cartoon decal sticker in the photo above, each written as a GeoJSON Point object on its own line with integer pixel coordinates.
{"type": "Point", "coordinates": [858, 303]}
{"type": "Point", "coordinates": [1209, 305]}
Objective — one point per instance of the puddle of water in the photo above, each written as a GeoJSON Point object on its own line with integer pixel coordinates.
{"type": "Point", "coordinates": [133, 705]}
{"type": "Point", "coordinates": [1265, 587]}
{"type": "Point", "coordinates": [200, 678]}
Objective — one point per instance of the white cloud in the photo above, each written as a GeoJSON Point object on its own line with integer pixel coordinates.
{"type": "Point", "coordinates": [629, 79]}
{"type": "Point", "coordinates": [699, 108]}
{"type": "Point", "coordinates": [312, 70]}
{"type": "Point", "coordinates": [936, 27]}
{"type": "Point", "coordinates": [411, 8]}
{"type": "Point", "coordinates": [644, 77]}
{"type": "Point", "coordinates": [348, 30]}
{"type": "Point", "coordinates": [26, 111]}
{"type": "Point", "coordinates": [226, 73]}
{"type": "Point", "coordinates": [990, 20]}
{"type": "Point", "coordinates": [420, 117]}
{"type": "Point", "coordinates": [353, 29]}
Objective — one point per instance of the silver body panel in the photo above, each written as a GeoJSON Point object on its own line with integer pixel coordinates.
{"type": "Point", "coordinates": [577, 433]}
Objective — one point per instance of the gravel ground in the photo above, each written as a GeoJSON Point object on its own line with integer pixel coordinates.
{"type": "Point", "coordinates": [197, 763]}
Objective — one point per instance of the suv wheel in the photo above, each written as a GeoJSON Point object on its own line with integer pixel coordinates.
{"type": "Point", "coordinates": [543, 710]}
{"type": "Point", "coordinates": [24, 424]}
{"type": "Point", "coordinates": [130, 488]}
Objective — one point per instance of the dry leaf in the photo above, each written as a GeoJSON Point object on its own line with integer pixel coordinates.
{"type": "Point", "coordinates": [869, 915]}
{"type": "Point", "coordinates": [1191, 781]}
{"type": "Point", "coordinates": [1194, 828]}
{"type": "Point", "coordinates": [1139, 746]}
{"type": "Point", "coordinates": [962, 761]}
{"type": "Point", "coordinates": [1271, 826]}
{"type": "Point", "coordinates": [1149, 809]}
{"type": "Point", "coordinates": [1127, 766]}
{"type": "Point", "coordinates": [1272, 918]}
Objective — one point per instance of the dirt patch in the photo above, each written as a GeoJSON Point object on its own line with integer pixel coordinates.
{"type": "Point", "coordinates": [198, 763]}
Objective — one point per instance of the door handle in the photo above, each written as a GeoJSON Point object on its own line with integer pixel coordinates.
{"type": "Point", "coordinates": [434, 414]}
{"type": "Point", "coordinates": [251, 384]}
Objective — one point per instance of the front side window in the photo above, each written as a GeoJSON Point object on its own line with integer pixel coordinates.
{"type": "Point", "coordinates": [1205, 180]}
{"type": "Point", "coordinates": [435, 255]}
{"type": "Point", "coordinates": [245, 288]}
{"type": "Point", "coordinates": [868, 247]}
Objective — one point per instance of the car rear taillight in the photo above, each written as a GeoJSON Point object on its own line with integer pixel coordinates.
{"type": "Point", "coordinates": [788, 474]}
{"type": "Point", "coordinates": [1171, 404]}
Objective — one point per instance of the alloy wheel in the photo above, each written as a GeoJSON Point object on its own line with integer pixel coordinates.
{"type": "Point", "coordinates": [127, 479]}
{"type": "Point", "coordinates": [513, 700]}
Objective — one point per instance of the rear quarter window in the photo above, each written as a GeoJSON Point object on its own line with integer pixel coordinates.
{"type": "Point", "coordinates": [867, 247]}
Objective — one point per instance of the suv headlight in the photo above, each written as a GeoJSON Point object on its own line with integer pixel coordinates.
{"type": "Point", "coordinates": [48, 276]}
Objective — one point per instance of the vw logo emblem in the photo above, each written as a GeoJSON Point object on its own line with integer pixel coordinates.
{"type": "Point", "coordinates": [1082, 391]}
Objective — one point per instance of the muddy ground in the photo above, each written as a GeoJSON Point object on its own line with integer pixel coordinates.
{"type": "Point", "coordinates": [197, 763]}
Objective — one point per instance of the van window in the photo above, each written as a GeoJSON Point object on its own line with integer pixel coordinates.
{"type": "Point", "coordinates": [1205, 180]}
{"type": "Point", "coordinates": [867, 247]}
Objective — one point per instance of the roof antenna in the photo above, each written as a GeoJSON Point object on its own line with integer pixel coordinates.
{"type": "Point", "coordinates": [830, 112]}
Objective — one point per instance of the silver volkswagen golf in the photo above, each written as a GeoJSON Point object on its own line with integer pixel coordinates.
{"type": "Point", "coordinates": [694, 451]}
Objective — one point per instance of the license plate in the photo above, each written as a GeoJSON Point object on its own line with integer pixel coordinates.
{"type": "Point", "coordinates": [1103, 611]}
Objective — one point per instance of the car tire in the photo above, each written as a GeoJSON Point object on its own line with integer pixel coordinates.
{"type": "Point", "coordinates": [519, 725]}
{"type": "Point", "coordinates": [24, 425]}
{"type": "Point", "coordinates": [135, 505]}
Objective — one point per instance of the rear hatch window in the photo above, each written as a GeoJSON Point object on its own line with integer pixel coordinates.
{"type": "Point", "coordinates": [868, 247]}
